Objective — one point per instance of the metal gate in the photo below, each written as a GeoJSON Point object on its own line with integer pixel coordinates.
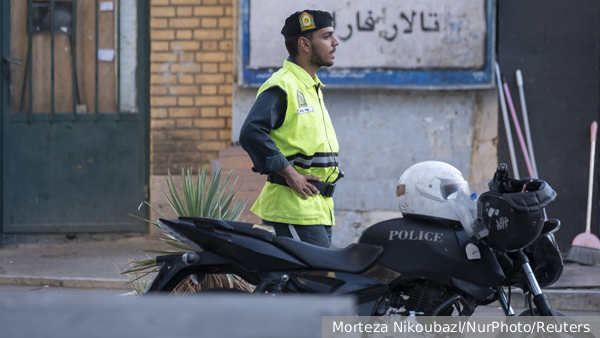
{"type": "Point", "coordinates": [74, 104]}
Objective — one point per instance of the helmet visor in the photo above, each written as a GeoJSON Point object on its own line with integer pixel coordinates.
{"type": "Point", "coordinates": [448, 187]}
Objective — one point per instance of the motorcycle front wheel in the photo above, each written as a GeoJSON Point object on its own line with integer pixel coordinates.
{"type": "Point", "coordinates": [555, 313]}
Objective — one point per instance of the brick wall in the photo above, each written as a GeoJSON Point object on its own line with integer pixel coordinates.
{"type": "Point", "coordinates": [191, 82]}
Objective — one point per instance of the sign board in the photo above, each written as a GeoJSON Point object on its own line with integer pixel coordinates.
{"type": "Point", "coordinates": [422, 44]}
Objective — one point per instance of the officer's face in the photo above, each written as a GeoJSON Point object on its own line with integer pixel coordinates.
{"type": "Point", "coordinates": [323, 44]}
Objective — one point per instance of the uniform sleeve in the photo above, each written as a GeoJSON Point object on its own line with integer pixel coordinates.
{"type": "Point", "coordinates": [267, 113]}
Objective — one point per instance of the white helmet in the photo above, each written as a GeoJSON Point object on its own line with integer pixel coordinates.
{"type": "Point", "coordinates": [424, 187]}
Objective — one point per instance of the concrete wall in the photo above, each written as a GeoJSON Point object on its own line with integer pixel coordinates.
{"type": "Point", "coordinates": [383, 132]}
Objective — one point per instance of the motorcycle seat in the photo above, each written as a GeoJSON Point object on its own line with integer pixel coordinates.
{"type": "Point", "coordinates": [353, 259]}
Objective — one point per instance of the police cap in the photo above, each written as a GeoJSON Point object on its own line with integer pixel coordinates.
{"type": "Point", "coordinates": [306, 21]}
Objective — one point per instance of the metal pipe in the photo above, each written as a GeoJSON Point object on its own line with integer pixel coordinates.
{"type": "Point", "coordinates": [118, 117]}
{"type": "Point", "coordinates": [527, 130]}
{"type": "Point", "coordinates": [96, 66]}
{"type": "Point", "coordinates": [526, 122]}
{"type": "Point", "coordinates": [508, 310]}
{"type": "Point", "coordinates": [518, 129]}
{"type": "Point", "coordinates": [73, 39]}
{"type": "Point", "coordinates": [511, 147]}
{"type": "Point", "coordinates": [531, 280]}
{"type": "Point", "coordinates": [30, 59]}
{"type": "Point", "coordinates": [51, 61]}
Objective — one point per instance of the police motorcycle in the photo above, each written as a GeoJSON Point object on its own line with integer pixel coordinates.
{"type": "Point", "coordinates": [457, 247]}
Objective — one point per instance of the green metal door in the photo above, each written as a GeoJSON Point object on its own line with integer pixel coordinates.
{"type": "Point", "coordinates": [74, 139]}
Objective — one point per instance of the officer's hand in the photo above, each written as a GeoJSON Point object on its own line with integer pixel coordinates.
{"type": "Point", "coordinates": [298, 182]}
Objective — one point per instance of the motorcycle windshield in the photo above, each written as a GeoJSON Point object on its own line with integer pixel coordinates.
{"type": "Point", "coordinates": [464, 202]}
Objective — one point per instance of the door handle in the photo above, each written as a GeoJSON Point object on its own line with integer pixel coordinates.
{"type": "Point", "coordinates": [15, 61]}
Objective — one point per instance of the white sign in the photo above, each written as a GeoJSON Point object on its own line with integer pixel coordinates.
{"type": "Point", "coordinates": [394, 34]}
{"type": "Point", "coordinates": [106, 55]}
{"type": "Point", "coordinates": [106, 6]}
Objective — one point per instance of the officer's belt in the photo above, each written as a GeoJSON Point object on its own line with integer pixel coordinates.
{"type": "Point", "coordinates": [325, 189]}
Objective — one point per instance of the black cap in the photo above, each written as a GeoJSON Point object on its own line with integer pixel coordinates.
{"type": "Point", "coordinates": [305, 22]}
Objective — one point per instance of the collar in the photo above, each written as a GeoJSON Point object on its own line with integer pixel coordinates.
{"type": "Point", "coordinates": [301, 74]}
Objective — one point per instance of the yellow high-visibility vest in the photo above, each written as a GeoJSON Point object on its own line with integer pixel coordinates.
{"type": "Point", "coordinates": [308, 141]}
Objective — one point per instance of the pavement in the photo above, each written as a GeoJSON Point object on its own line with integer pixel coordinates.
{"type": "Point", "coordinates": [76, 264]}
{"type": "Point", "coordinates": [97, 265]}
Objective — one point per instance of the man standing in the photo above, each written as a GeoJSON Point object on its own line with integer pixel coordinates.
{"type": "Point", "coordinates": [289, 135]}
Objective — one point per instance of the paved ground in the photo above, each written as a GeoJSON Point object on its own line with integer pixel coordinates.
{"type": "Point", "coordinates": [8, 290]}
{"type": "Point", "coordinates": [41, 290]}
{"type": "Point", "coordinates": [77, 264]}
{"type": "Point", "coordinates": [68, 316]}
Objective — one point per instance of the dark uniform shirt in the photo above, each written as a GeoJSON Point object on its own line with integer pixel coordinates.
{"type": "Point", "coordinates": [267, 113]}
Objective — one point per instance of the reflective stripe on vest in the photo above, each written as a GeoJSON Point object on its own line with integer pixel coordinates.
{"type": "Point", "coordinates": [317, 160]}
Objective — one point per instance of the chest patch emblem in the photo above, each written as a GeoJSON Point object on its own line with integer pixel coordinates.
{"type": "Point", "coordinates": [301, 100]}
{"type": "Point", "coordinates": [304, 108]}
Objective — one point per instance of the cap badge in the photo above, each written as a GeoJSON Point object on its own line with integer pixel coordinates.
{"type": "Point", "coordinates": [306, 21]}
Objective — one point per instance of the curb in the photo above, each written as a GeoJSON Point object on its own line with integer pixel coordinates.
{"type": "Point", "coordinates": [561, 299]}
{"type": "Point", "coordinates": [580, 300]}
{"type": "Point", "coordinates": [66, 282]}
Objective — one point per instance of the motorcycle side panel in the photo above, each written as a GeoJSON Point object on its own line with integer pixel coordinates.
{"type": "Point", "coordinates": [427, 250]}
{"type": "Point", "coordinates": [366, 290]}
{"type": "Point", "coordinates": [249, 253]}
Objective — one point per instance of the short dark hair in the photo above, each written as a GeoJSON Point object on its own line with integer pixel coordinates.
{"type": "Point", "coordinates": [292, 44]}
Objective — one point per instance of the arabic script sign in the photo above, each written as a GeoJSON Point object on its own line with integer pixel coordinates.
{"type": "Point", "coordinates": [390, 34]}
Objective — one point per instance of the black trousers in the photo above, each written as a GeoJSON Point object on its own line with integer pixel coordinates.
{"type": "Point", "coordinates": [314, 234]}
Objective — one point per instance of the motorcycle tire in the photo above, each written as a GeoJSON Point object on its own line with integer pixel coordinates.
{"type": "Point", "coordinates": [555, 313]}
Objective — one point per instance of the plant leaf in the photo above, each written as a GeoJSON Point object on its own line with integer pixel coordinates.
{"type": "Point", "coordinates": [170, 203]}
{"type": "Point", "coordinates": [175, 243]}
{"type": "Point", "coordinates": [187, 188]}
{"type": "Point", "coordinates": [145, 220]}
{"type": "Point", "coordinates": [175, 196]}
{"type": "Point", "coordinates": [144, 202]}
{"type": "Point", "coordinates": [198, 198]}
{"type": "Point", "coordinates": [202, 194]}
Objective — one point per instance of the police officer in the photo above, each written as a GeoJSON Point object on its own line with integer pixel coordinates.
{"type": "Point", "coordinates": [289, 135]}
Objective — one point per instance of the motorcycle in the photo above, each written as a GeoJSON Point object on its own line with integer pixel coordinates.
{"type": "Point", "coordinates": [415, 265]}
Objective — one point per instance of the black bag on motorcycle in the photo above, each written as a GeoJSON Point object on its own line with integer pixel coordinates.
{"type": "Point", "coordinates": [513, 212]}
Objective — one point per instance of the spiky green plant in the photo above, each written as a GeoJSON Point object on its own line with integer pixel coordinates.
{"type": "Point", "coordinates": [135, 285]}
{"type": "Point", "coordinates": [199, 200]}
